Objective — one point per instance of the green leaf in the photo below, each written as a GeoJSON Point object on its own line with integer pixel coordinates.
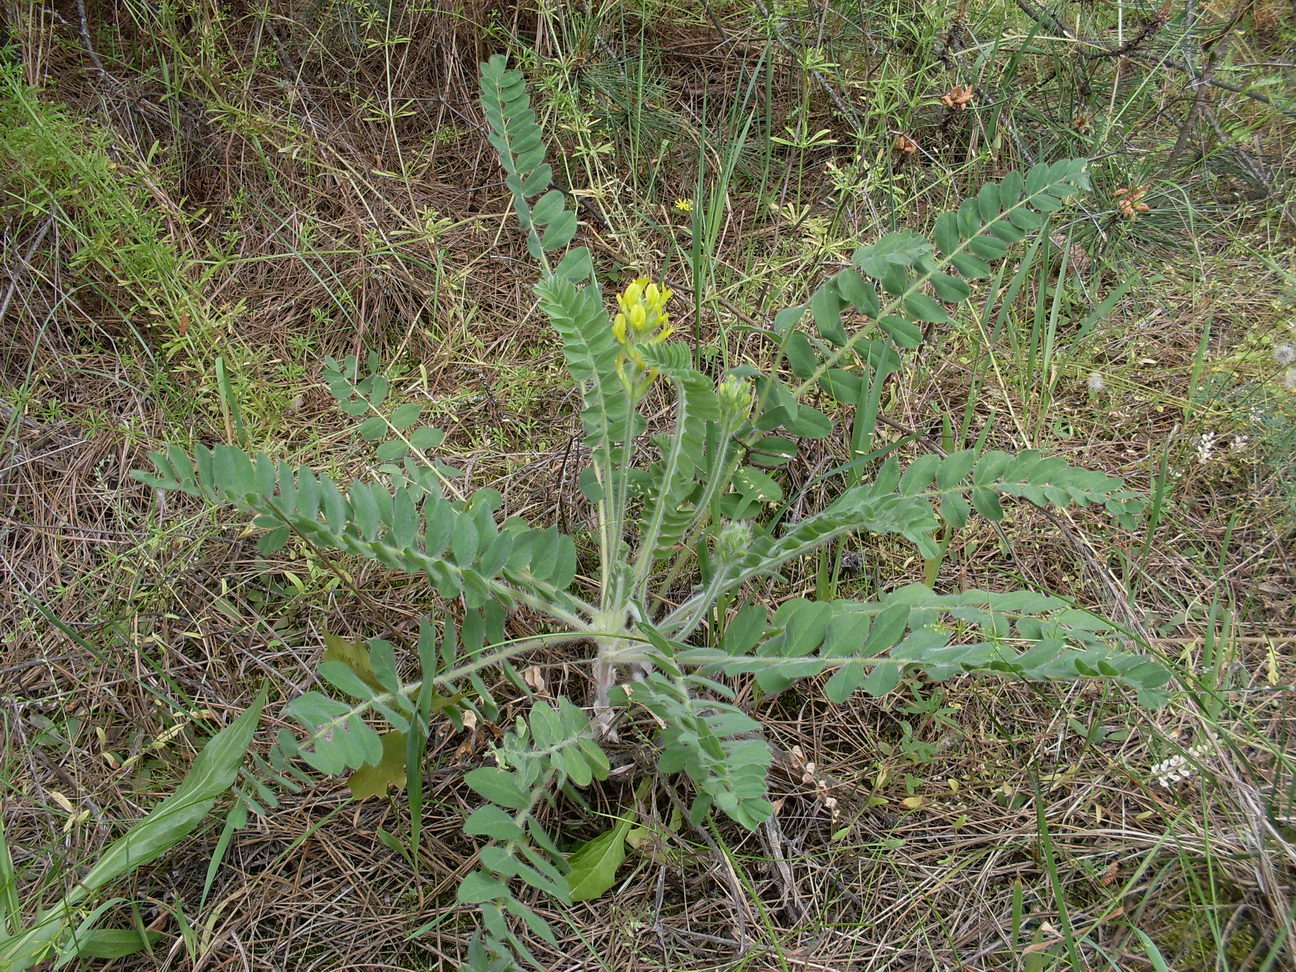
{"type": "Point", "coordinates": [925, 309]}
{"type": "Point", "coordinates": [825, 307]}
{"type": "Point", "coordinates": [538, 181]}
{"type": "Point", "coordinates": [861, 294]}
{"type": "Point", "coordinates": [970, 266]}
{"type": "Point", "coordinates": [754, 485]}
{"type": "Point", "coordinates": [405, 416]}
{"type": "Point", "coordinates": [987, 504]}
{"type": "Point", "coordinates": [950, 288]}
{"type": "Point", "coordinates": [498, 786]}
{"type": "Point", "coordinates": [391, 450]}
{"type": "Point", "coordinates": [590, 487]}
{"type": "Point", "coordinates": [947, 234]}
{"type": "Point", "coordinates": [478, 887]}
{"type": "Point", "coordinates": [955, 467]}
{"type": "Point", "coordinates": [576, 265]}
{"type": "Point", "coordinates": [110, 943]}
{"type": "Point", "coordinates": [789, 317]}
{"type": "Point", "coordinates": [593, 865]}
{"type": "Point", "coordinates": [212, 774]}
{"type": "Point", "coordinates": [902, 331]}
{"type": "Point", "coordinates": [490, 821]}
{"type": "Point", "coordinates": [354, 655]}
{"type": "Point", "coordinates": [560, 232]}
{"type": "Point", "coordinates": [884, 677]}
{"type": "Point", "coordinates": [463, 541]}
{"type": "Point", "coordinates": [893, 250]}
{"type": "Point", "coordinates": [545, 209]}
{"type": "Point", "coordinates": [801, 357]}
{"type": "Point", "coordinates": [773, 450]}
{"type": "Point", "coordinates": [954, 510]}
{"type": "Point", "coordinates": [273, 541]}
{"type": "Point", "coordinates": [887, 629]}
{"type": "Point", "coordinates": [377, 778]}
{"type": "Point", "coordinates": [342, 677]}
{"type": "Point", "coordinates": [842, 385]}
{"type": "Point", "coordinates": [426, 437]}
{"type": "Point", "coordinates": [373, 429]}
{"type": "Point", "coordinates": [808, 423]}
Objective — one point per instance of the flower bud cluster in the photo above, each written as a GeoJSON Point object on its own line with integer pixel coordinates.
{"type": "Point", "coordinates": [642, 319]}
{"type": "Point", "coordinates": [736, 399]}
{"type": "Point", "coordinates": [732, 541]}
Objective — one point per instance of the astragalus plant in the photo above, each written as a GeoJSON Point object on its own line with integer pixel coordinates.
{"type": "Point", "coordinates": [688, 518]}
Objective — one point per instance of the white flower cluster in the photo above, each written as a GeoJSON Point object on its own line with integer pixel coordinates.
{"type": "Point", "coordinates": [1206, 446]}
{"type": "Point", "coordinates": [1176, 769]}
{"type": "Point", "coordinates": [1285, 353]}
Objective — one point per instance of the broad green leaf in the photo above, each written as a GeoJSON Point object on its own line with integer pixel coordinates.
{"type": "Point", "coordinates": [925, 309]}
{"type": "Point", "coordinates": [593, 865]}
{"type": "Point", "coordinates": [744, 631]}
{"type": "Point", "coordinates": [576, 265]}
{"type": "Point", "coordinates": [171, 821]}
{"type": "Point", "coordinates": [463, 541]}
{"type": "Point", "coordinates": [755, 485]}
{"type": "Point", "coordinates": [343, 677]}
{"type": "Point", "coordinates": [808, 423]}
{"type": "Point", "coordinates": [801, 357]}
{"type": "Point", "coordinates": [375, 779]}
{"type": "Point", "coordinates": [987, 504]}
{"type": "Point", "coordinates": [545, 209]}
{"type": "Point", "coordinates": [110, 943]}
{"type": "Point", "coordinates": [560, 232]}
{"type": "Point", "coordinates": [825, 307]}
{"type": "Point", "coordinates": [354, 655]}
{"type": "Point", "coordinates": [882, 679]}
{"type": "Point", "coordinates": [901, 330]}
{"type": "Point", "coordinates": [842, 385]}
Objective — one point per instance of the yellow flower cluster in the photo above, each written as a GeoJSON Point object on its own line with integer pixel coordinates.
{"type": "Point", "coordinates": [641, 320]}
{"type": "Point", "coordinates": [643, 311]}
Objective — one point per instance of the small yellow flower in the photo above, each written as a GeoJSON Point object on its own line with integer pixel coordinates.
{"type": "Point", "coordinates": [683, 205]}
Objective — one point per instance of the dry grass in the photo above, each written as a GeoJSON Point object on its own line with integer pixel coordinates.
{"type": "Point", "coordinates": [994, 826]}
